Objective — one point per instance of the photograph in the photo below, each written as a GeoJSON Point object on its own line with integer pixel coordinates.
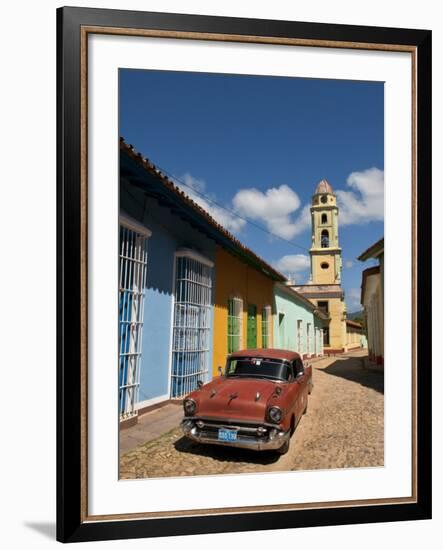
{"type": "Point", "coordinates": [251, 274]}
{"type": "Point", "coordinates": [225, 187]}
{"type": "Point", "coordinates": [206, 346]}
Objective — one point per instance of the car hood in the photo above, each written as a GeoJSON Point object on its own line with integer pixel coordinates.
{"type": "Point", "coordinates": [236, 398]}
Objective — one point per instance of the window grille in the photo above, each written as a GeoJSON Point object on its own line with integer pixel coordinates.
{"type": "Point", "coordinates": [235, 324]}
{"type": "Point", "coordinates": [192, 325]}
{"type": "Point", "coordinates": [133, 263]}
{"type": "Point", "coordinates": [265, 327]}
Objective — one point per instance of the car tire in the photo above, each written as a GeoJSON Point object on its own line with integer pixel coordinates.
{"type": "Point", "coordinates": [306, 407]}
{"type": "Point", "coordinates": [284, 448]}
{"type": "Point", "coordinates": [292, 428]}
{"type": "Point", "coordinates": [311, 387]}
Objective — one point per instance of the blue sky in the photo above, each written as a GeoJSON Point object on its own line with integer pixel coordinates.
{"type": "Point", "coordinates": [257, 146]}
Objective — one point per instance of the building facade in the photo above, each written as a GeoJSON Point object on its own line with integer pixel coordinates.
{"type": "Point", "coordinates": [324, 288]}
{"type": "Point", "coordinates": [372, 300]}
{"type": "Point", "coordinates": [355, 336]}
{"type": "Point", "coordinates": [298, 325]}
{"type": "Point", "coordinates": [243, 310]}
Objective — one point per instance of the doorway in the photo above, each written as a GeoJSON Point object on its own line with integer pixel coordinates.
{"type": "Point", "coordinates": [252, 327]}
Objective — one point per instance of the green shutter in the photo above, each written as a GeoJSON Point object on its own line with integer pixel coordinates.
{"type": "Point", "coordinates": [252, 326]}
{"type": "Point", "coordinates": [264, 328]}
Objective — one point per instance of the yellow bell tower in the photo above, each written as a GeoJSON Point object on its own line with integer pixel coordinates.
{"type": "Point", "coordinates": [324, 287]}
{"type": "Point", "coordinates": [325, 252]}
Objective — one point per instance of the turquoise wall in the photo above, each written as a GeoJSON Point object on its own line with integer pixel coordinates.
{"type": "Point", "coordinates": [289, 311]}
{"type": "Point", "coordinates": [318, 323]}
{"type": "Point", "coordinates": [363, 341]}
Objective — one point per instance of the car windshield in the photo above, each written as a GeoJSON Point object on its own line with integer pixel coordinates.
{"type": "Point", "coordinates": [250, 367]}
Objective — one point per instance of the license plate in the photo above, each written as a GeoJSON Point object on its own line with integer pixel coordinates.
{"type": "Point", "coordinates": [227, 435]}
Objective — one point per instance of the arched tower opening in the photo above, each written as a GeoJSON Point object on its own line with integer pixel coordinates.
{"type": "Point", "coordinates": [325, 238]}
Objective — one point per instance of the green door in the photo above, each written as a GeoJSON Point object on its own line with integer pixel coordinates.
{"type": "Point", "coordinates": [252, 326]}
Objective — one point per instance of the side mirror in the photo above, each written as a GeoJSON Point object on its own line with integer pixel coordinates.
{"type": "Point", "coordinates": [220, 371]}
{"type": "Point", "coordinates": [199, 384]}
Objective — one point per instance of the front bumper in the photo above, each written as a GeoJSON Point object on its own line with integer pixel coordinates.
{"type": "Point", "coordinates": [206, 431]}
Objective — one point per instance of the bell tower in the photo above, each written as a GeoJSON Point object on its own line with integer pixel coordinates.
{"type": "Point", "coordinates": [325, 251]}
{"type": "Point", "coordinates": [324, 288]}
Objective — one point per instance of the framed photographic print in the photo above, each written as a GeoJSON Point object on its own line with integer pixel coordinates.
{"type": "Point", "coordinates": [234, 351]}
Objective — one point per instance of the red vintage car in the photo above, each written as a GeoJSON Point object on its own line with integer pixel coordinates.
{"type": "Point", "coordinates": [256, 403]}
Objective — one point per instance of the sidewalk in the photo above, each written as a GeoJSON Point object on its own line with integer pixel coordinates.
{"type": "Point", "coordinates": [150, 426]}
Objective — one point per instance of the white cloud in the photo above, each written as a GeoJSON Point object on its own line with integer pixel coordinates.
{"type": "Point", "coordinates": [349, 264]}
{"type": "Point", "coordinates": [279, 209]}
{"type": "Point", "coordinates": [365, 201]}
{"type": "Point", "coordinates": [275, 207]}
{"type": "Point", "coordinates": [293, 265]}
{"type": "Point", "coordinates": [353, 300]}
{"type": "Point", "coordinates": [193, 186]}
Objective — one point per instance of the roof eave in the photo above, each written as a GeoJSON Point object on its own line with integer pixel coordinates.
{"type": "Point", "coordinates": [373, 251]}
{"type": "Point", "coordinates": [178, 200]}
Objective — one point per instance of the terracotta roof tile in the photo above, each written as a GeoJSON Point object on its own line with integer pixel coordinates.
{"type": "Point", "coordinates": [151, 168]}
{"type": "Point", "coordinates": [324, 186]}
{"type": "Point", "coordinates": [353, 323]}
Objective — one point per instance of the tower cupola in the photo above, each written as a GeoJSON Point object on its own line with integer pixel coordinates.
{"type": "Point", "coordinates": [324, 187]}
{"type": "Point", "coordinates": [324, 194]}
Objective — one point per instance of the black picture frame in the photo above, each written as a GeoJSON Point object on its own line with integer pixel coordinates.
{"type": "Point", "coordinates": [71, 524]}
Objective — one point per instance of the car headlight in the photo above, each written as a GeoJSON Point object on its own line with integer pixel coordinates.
{"type": "Point", "coordinates": [189, 406]}
{"type": "Point", "coordinates": [275, 414]}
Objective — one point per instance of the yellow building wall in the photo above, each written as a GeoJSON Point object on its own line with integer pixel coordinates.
{"type": "Point", "coordinates": [353, 337]}
{"type": "Point", "coordinates": [337, 327]}
{"type": "Point", "coordinates": [323, 276]}
{"type": "Point", "coordinates": [235, 278]}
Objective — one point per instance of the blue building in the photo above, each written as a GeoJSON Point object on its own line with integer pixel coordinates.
{"type": "Point", "coordinates": [166, 293]}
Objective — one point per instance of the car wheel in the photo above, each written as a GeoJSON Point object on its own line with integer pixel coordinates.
{"type": "Point", "coordinates": [284, 448]}
{"type": "Point", "coordinates": [306, 407]}
{"type": "Point", "coordinates": [311, 387]}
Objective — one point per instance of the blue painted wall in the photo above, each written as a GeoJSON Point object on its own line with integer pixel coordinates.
{"type": "Point", "coordinates": [169, 233]}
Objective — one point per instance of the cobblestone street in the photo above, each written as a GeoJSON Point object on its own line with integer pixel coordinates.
{"type": "Point", "coordinates": [343, 428]}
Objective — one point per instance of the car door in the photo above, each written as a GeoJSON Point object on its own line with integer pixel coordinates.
{"type": "Point", "coordinates": [301, 380]}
